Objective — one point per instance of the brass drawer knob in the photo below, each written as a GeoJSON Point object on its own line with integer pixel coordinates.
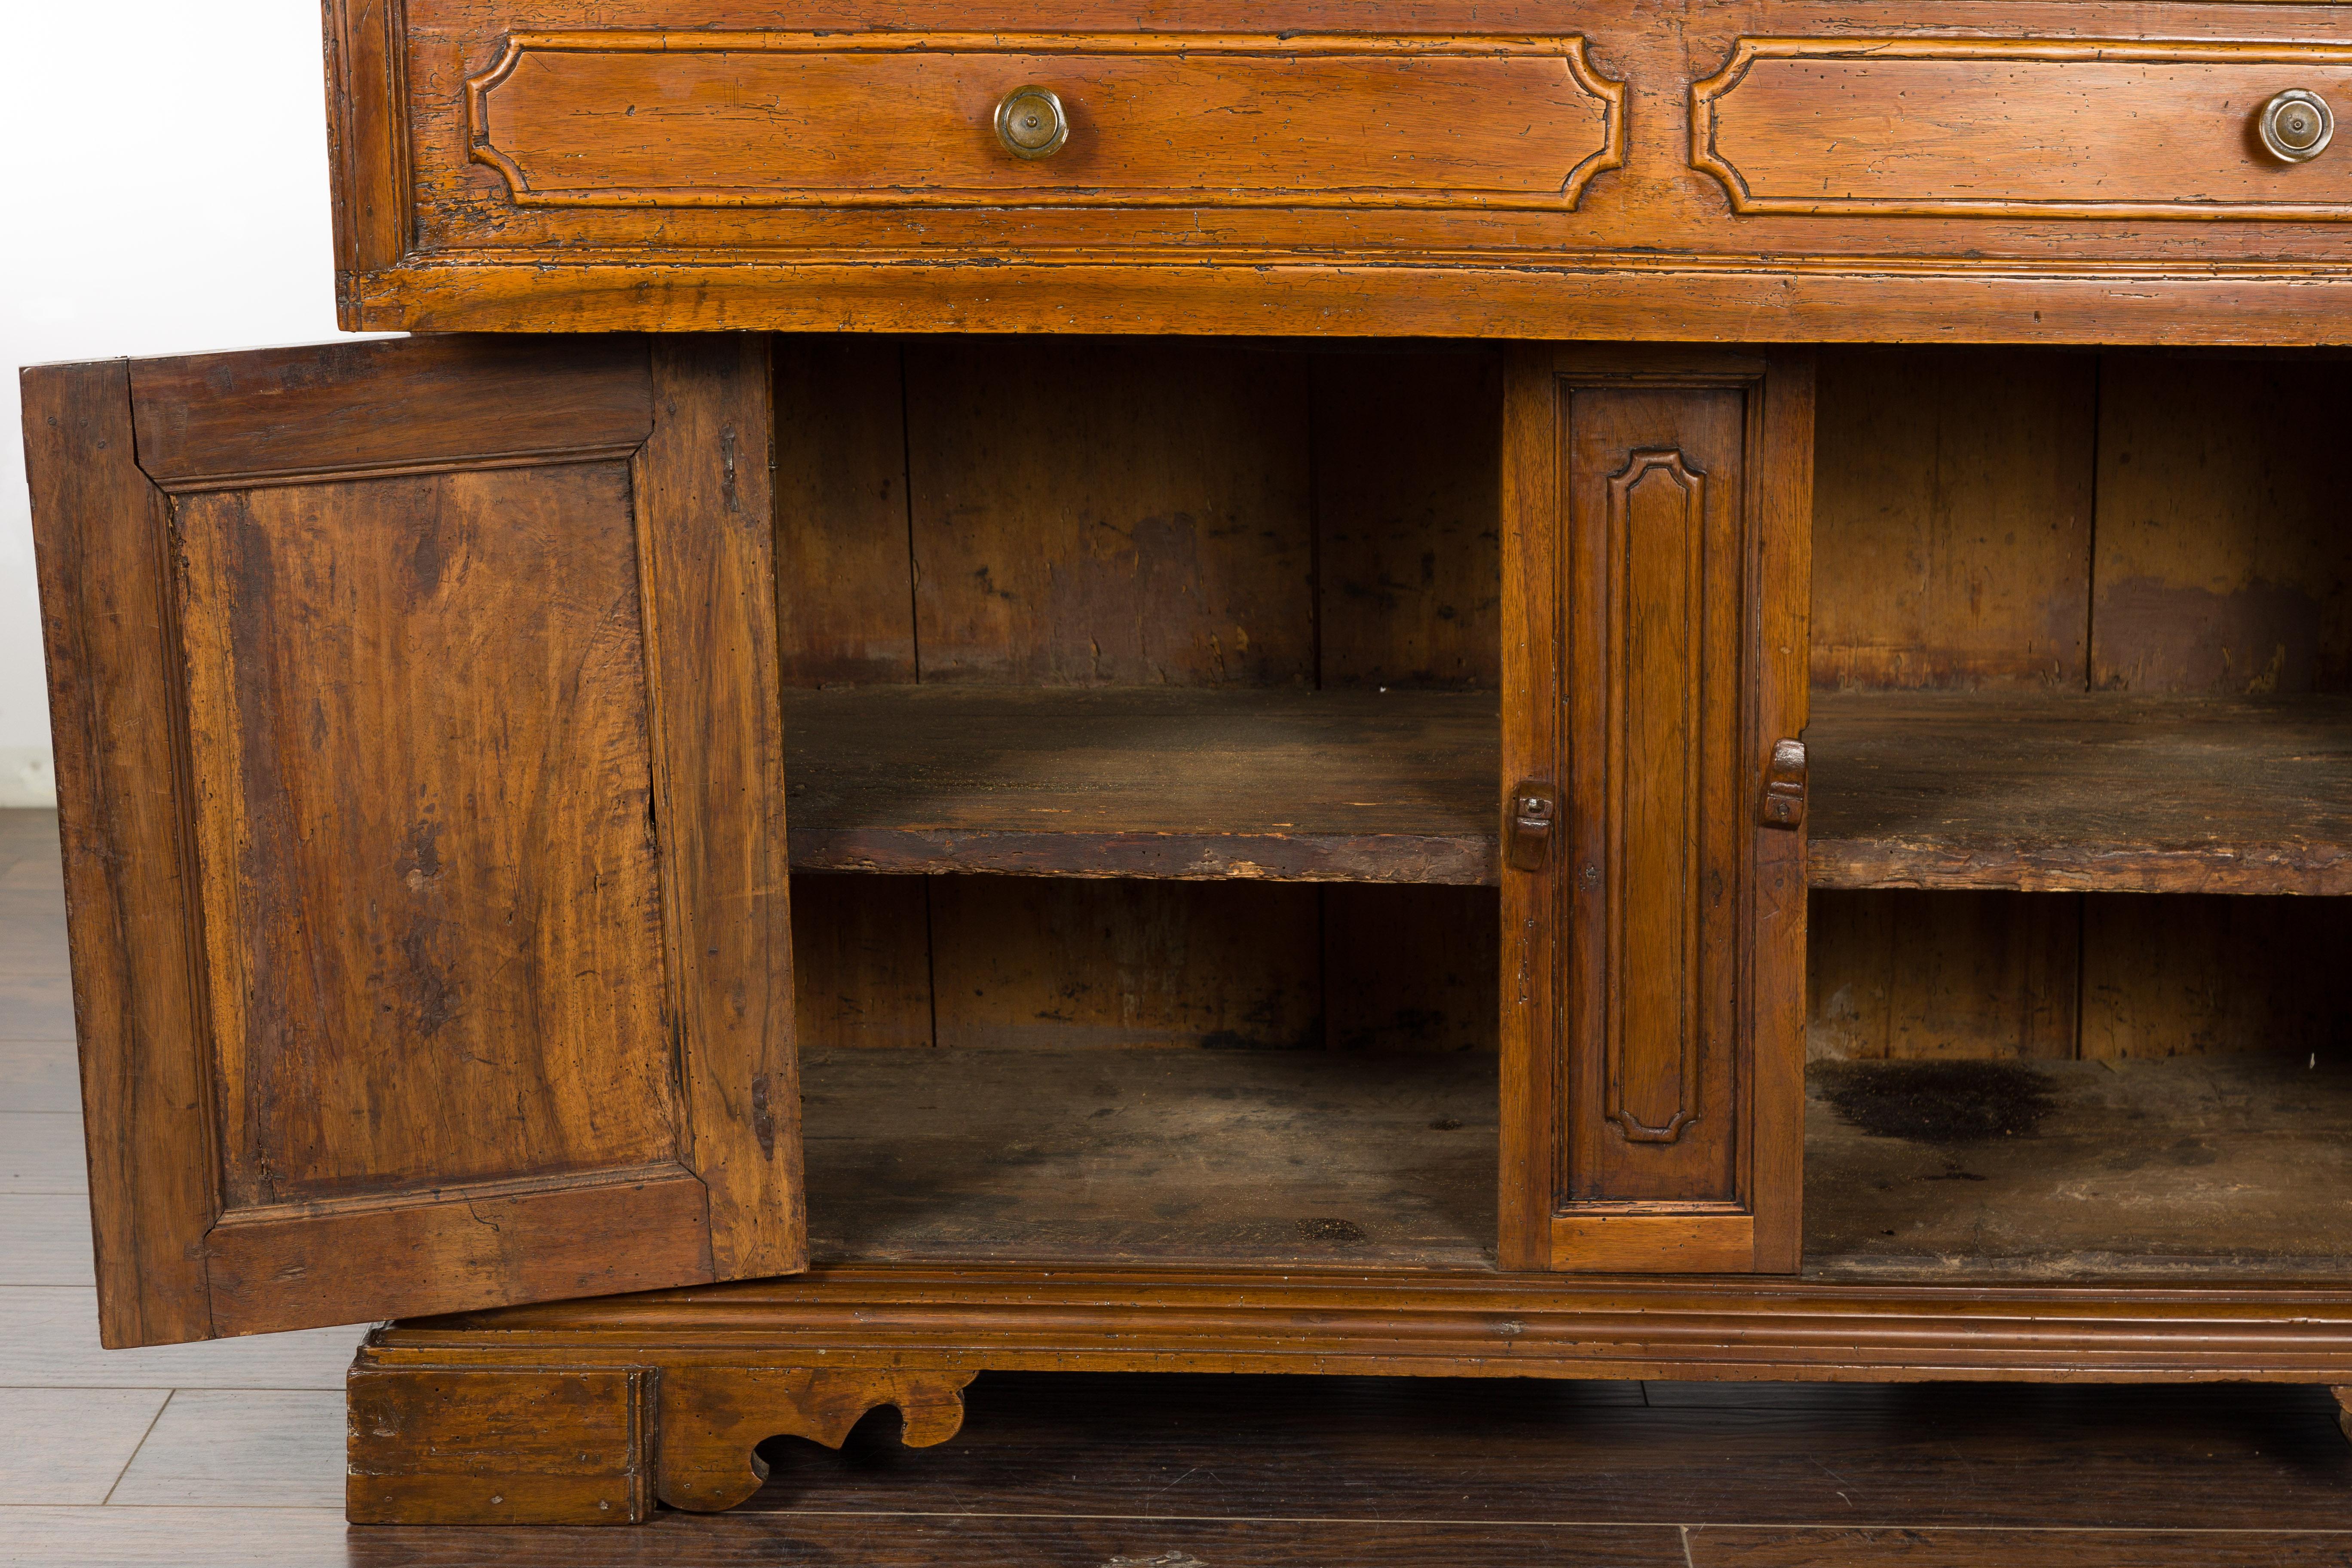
{"type": "Point", "coordinates": [1030, 122]}
{"type": "Point", "coordinates": [2295, 126]}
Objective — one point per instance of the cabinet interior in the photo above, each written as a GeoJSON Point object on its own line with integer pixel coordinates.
{"type": "Point", "coordinates": [1142, 702]}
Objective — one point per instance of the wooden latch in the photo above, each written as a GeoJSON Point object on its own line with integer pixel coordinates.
{"type": "Point", "coordinates": [1528, 825]}
{"type": "Point", "coordinates": [1784, 786]}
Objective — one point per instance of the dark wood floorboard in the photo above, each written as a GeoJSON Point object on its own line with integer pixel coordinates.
{"type": "Point", "coordinates": [1372, 1449]}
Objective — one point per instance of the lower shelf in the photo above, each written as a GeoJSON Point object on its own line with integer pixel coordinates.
{"type": "Point", "coordinates": [1142, 1155]}
{"type": "Point", "coordinates": [2185, 1168]}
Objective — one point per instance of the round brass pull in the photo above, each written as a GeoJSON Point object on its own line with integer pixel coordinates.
{"type": "Point", "coordinates": [2295, 126]}
{"type": "Point", "coordinates": [1030, 122]}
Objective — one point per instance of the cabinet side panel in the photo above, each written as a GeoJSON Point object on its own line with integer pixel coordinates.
{"type": "Point", "coordinates": [99, 530]}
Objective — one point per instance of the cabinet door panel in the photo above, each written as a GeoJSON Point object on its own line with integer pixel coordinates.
{"type": "Point", "coordinates": [1655, 651]}
{"type": "Point", "coordinates": [397, 687]}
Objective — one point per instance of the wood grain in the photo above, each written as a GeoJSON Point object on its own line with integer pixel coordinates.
{"type": "Point", "coordinates": [1156, 120]}
{"type": "Point", "coordinates": [1947, 974]}
{"type": "Point", "coordinates": [1952, 518]}
{"type": "Point", "coordinates": [2223, 566]}
{"type": "Point", "coordinates": [1680, 481]}
{"type": "Point", "coordinates": [1407, 565]}
{"type": "Point", "coordinates": [435, 240]}
{"type": "Point", "coordinates": [208, 419]}
{"type": "Point", "coordinates": [1216, 1157]}
{"type": "Point", "coordinates": [2218, 1167]}
{"type": "Point", "coordinates": [2188, 976]}
{"type": "Point", "coordinates": [1077, 964]}
{"type": "Point", "coordinates": [1889, 127]}
{"type": "Point", "coordinates": [365, 954]}
{"type": "Point", "coordinates": [369, 882]}
{"type": "Point", "coordinates": [2072, 792]}
{"type": "Point", "coordinates": [707, 516]}
{"type": "Point", "coordinates": [844, 573]}
{"type": "Point", "coordinates": [1090, 514]}
{"type": "Point", "coordinates": [99, 544]}
{"type": "Point", "coordinates": [429, 1446]}
{"type": "Point", "coordinates": [1321, 786]}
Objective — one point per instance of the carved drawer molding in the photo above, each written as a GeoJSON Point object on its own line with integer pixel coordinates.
{"type": "Point", "coordinates": [2032, 127]}
{"type": "Point", "coordinates": [905, 120]}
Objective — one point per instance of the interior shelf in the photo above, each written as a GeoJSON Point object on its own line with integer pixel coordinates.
{"type": "Point", "coordinates": [1339, 786]}
{"type": "Point", "coordinates": [2035, 792]}
{"type": "Point", "coordinates": [2182, 1167]}
{"type": "Point", "coordinates": [2082, 792]}
{"type": "Point", "coordinates": [1140, 1155]}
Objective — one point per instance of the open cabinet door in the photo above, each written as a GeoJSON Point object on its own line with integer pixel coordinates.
{"type": "Point", "coordinates": [421, 784]}
{"type": "Point", "coordinates": [1657, 522]}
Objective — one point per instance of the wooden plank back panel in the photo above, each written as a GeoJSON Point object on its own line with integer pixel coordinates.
{"type": "Point", "coordinates": [1899, 974]}
{"type": "Point", "coordinates": [2224, 564]}
{"type": "Point", "coordinates": [461, 840]}
{"type": "Point", "coordinates": [1021, 962]}
{"type": "Point", "coordinates": [1092, 514]}
{"type": "Point", "coordinates": [1952, 518]}
{"type": "Point", "coordinates": [845, 575]}
{"type": "Point", "coordinates": [1408, 572]}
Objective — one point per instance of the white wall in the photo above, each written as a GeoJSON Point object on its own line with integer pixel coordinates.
{"type": "Point", "coordinates": [162, 189]}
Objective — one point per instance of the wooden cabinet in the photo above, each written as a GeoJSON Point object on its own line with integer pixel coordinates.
{"type": "Point", "coordinates": [1322, 730]}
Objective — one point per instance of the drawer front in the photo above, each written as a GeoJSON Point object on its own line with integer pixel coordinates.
{"type": "Point", "coordinates": [909, 119]}
{"type": "Point", "coordinates": [1896, 127]}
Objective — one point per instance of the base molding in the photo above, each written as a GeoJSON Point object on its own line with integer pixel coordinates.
{"type": "Point", "coordinates": [584, 1412]}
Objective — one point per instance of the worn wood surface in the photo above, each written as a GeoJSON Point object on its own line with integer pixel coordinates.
{"type": "Point", "coordinates": [450, 1020]}
{"type": "Point", "coordinates": [2223, 566]}
{"type": "Point", "coordinates": [1656, 248]}
{"type": "Point", "coordinates": [2231, 1166]}
{"type": "Point", "coordinates": [1899, 974]}
{"type": "Point", "coordinates": [1089, 514]}
{"type": "Point", "coordinates": [515, 1448]}
{"type": "Point", "coordinates": [2188, 976]}
{"type": "Point", "coordinates": [2054, 792]}
{"type": "Point", "coordinates": [1952, 512]}
{"type": "Point", "coordinates": [1315, 787]}
{"type": "Point", "coordinates": [1211, 1157]}
{"type": "Point", "coordinates": [844, 582]}
{"type": "Point", "coordinates": [1074, 963]}
{"type": "Point", "coordinates": [1407, 549]}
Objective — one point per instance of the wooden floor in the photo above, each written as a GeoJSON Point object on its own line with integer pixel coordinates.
{"type": "Point", "coordinates": [231, 1453]}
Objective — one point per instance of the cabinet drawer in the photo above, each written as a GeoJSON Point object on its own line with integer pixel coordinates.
{"type": "Point", "coordinates": [911, 120]}
{"type": "Point", "coordinates": [2028, 128]}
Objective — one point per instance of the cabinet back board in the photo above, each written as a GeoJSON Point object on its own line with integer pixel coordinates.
{"type": "Point", "coordinates": [2123, 522]}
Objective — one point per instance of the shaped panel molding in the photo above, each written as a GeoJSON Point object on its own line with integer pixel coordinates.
{"type": "Point", "coordinates": [908, 120]}
{"type": "Point", "coordinates": [1657, 529]}
{"type": "Point", "coordinates": [1894, 127]}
